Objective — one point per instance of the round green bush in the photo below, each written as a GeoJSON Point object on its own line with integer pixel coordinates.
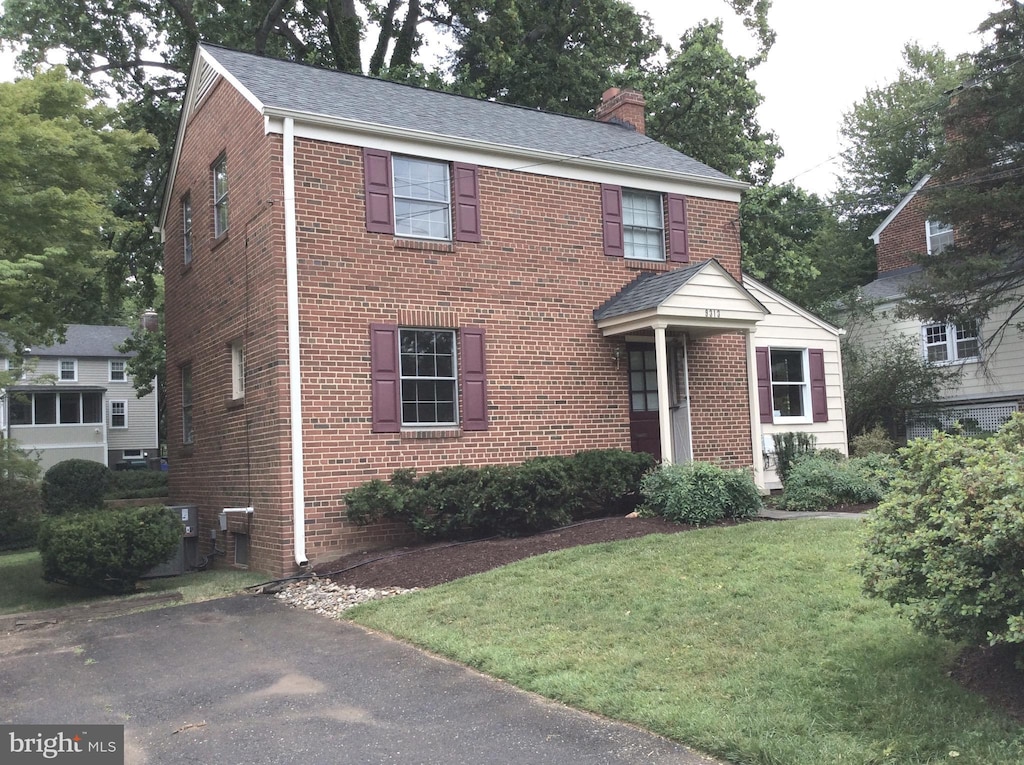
{"type": "Point", "coordinates": [818, 483]}
{"type": "Point", "coordinates": [20, 510]}
{"type": "Point", "coordinates": [74, 485]}
{"type": "Point", "coordinates": [698, 493]}
{"type": "Point", "coordinates": [107, 550]}
{"type": "Point", "coordinates": [947, 545]}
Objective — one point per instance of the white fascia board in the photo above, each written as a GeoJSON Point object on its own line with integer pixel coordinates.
{"type": "Point", "coordinates": [877, 233]}
{"type": "Point", "coordinates": [512, 158]}
{"type": "Point", "coordinates": [753, 284]}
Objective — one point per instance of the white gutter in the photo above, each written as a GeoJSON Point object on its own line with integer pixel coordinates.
{"type": "Point", "coordinates": [294, 372]}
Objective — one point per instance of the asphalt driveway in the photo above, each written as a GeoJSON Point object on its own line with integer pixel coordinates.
{"type": "Point", "coordinates": [250, 680]}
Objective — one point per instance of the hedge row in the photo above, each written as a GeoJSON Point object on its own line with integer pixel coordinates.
{"type": "Point", "coordinates": [509, 500]}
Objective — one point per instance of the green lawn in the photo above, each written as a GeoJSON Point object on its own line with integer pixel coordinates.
{"type": "Point", "coordinates": [752, 643]}
{"type": "Point", "coordinates": [22, 587]}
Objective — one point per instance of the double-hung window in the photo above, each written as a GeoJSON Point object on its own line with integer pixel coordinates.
{"type": "Point", "coordinates": [790, 388]}
{"type": "Point", "coordinates": [187, 435]}
{"type": "Point", "coordinates": [237, 370]}
{"type": "Point", "coordinates": [220, 196]}
{"type": "Point", "coordinates": [118, 414]}
{"type": "Point", "coordinates": [643, 225]}
{"type": "Point", "coordinates": [944, 343]}
{"type": "Point", "coordinates": [422, 198]}
{"type": "Point", "coordinates": [186, 225]}
{"type": "Point", "coordinates": [940, 236]}
{"type": "Point", "coordinates": [118, 371]}
{"type": "Point", "coordinates": [427, 371]}
{"type": "Point", "coordinates": [68, 370]}
{"type": "Point", "coordinates": [791, 385]}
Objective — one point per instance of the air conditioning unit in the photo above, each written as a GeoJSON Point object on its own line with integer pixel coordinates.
{"type": "Point", "coordinates": [186, 554]}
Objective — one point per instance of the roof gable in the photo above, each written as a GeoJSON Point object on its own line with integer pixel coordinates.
{"type": "Point", "coordinates": [877, 233]}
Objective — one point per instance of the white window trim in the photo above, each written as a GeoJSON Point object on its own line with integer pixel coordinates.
{"type": "Point", "coordinates": [123, 403]}
{"type": "Point", "coordinates": [186, 225]}
{"type": "Point", "coordinates": [132, 454]}
{"type": "Point", "coordinates": [237, 370]}
{"type": "Point", "coordinates": [110, 370]}
{"type": "Point", "coordinates": [447, 203]}
{"type": "Point", "coordinates": [74, 370]}
{"type": "Point", "coordinates": [454, 378]}
{"type": "Point", "coordinates": [928, 234]}
{"type": "Point", "coordinates": [805, 390]}
{"type": "Point", "coordinates": [951, 348]}
{"type": "Point", "coordinates": [627, 250]}
{"type": "Point", "coordinates": [220, 200]}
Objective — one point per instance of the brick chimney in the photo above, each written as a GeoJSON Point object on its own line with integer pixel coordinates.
{"type": "Point", "coordinates": [623, 107]}
{"type": "Point", "coordinates": [150, 320]}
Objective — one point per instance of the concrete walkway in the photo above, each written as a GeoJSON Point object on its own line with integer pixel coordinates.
{"type": "Point", "coordinates": [249, 680]}
{"type": "Point", "coordinates": [788, 515]}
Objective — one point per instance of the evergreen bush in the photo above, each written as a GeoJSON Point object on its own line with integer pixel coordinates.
{"type": "Point", "coordinates": [74, 485]}
{"type": "Point", "coordinates": [607, 481]}
{"type": "Point", "coordinates": [818, 483]}
{"type": "Point", "coordinates": [698, 493]}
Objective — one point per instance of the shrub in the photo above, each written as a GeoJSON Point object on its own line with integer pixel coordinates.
{"type": "Point", "coordinates": [789, 447]}
{"type": "Point", "coordinates": [947, 545]}
{"type": "Point", "coordinates": [74, 485]}
{"type": "Point", "coordinates": [527, 498]}
{"type": "Point", "coordinates": [817, 483]}
{"type": "Point", "coordinates": [874, 441]}
{"type": "Point", "coordinates": [20, 509]}
{"type": "Point", "coordinates": [607, 481]}
{"type": "Point", "coordinates": [136, 484]}
{"type": "Point", "coordinates": [373, 501]}
{"type": "Point", "coordinates": [698, 493]}
{"type": "Point", "coordinates": [107, 550]}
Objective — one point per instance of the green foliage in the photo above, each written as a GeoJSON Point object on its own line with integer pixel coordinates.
{"type": "Point", "coordinates": [817, 482]}
{"type": "Point", "coordinates": [889, 382]}
{"type": "Point", "coordinates": [107, 550]}
{"type": "Point", "coordinates": [947, 545]}
{"type": "Point", "coordinates": [20, 510]}
{"type": "Point", "coordinates": [699, 493]}
{"type": "Point", "coordinates": [136, 484]}
{"type": "Point", "coordinates": [874, 441]}
{"type": "Point", "coordinates": [978, 187]}
{"type": "Point", "coordinates": [74, 485]}
{"type": "Point", "coordinates": [789, 447]}
{"type": "Point", "coordinates": [542, 493]}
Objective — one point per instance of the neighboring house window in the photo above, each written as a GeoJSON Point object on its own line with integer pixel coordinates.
{"type": "Point", "coordinates": [68, 370]}
{"type": "Point", "coordinates": [791, 385]}
{"type": "Point", "coordinates": [237, 369]}
{"type": "Point", "coordinates": [220, 196]}
{"type": "Point", "coordinates": [421, 198]}
{"type": "Point", "coordinates": [940, 236]}
{"type": "Point", "coordinates": [949, 342]}
{"type": "Point", "coordinates": [118, 414]}
{"type": "Point", "coordinates": [53, 407]}
{"type": "Point", "coordinates": [186, 218]}
{"type": "Point", "coordinates": [644, 225]}
{"type": "Point", "coordinates": [118, 371]}
{"type": "Point", "coordinates": [187, 435]}
{"type": "Point", "coordinates": [132, 454]}
{"type": "Point", "coordinates": [419, 374]}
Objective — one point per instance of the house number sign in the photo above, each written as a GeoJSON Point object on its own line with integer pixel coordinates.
{"type": "Point", "coordinates": [713, 313]}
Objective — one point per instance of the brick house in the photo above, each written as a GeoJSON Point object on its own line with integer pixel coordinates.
{"type": "Point", "coordinates": [992, 384]}
{"type": "Point", "coordinates": [363, 276]}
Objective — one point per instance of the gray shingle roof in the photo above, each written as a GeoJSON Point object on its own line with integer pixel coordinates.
{"type": "Point", "coordinates": [306, 89]}
{"type": "Point", "coordinates": [87, 340]}
{"type": "Point", "coordinates": [646, 291]}
{"type": "Point", "coordinates": [892, 285]}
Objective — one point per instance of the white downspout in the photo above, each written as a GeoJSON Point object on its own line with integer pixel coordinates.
{"type": "Point", "coordinates": [294, 372]}
{"type": "Point", "coordinates": [664, 413]}
{"type": "Point", "coordinates": [756, 438]}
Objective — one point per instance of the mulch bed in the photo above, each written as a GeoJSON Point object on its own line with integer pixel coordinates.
{"type": "Point", "coordinates": [989, 672]}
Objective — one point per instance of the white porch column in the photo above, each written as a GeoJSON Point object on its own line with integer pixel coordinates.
{"type": "Point", "coordinates": [756, 438]}
{"type": "Point", "coordinates": [664, 399]}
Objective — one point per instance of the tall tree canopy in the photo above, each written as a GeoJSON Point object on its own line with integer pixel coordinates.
{"type": "Point", "coordinates": [979, 188]}
{"type": "Point", "coordinates": [62, 162]}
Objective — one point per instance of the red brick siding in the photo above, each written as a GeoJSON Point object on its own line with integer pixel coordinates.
{"type": "Point", "coordinates": [905, 238]}
{"type": "Point", "coordinates": [554, 385]}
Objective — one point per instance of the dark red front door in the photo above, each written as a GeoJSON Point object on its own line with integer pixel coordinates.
{"type": "Point", "coordinates": [644, 433]}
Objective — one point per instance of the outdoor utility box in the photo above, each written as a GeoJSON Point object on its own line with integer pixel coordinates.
{"type": "Point", "coordinates": [186, 554]}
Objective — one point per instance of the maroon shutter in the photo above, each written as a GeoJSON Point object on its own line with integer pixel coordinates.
{"type": "Point", "coordinates": [819, 396]}
{"type": "Point", "coordinates": [474, 379]}
{"type": "Point", "coordinates": [764, 383]}
{"type": "Point", "coordinates": [678, 237]}
{"type": "Point", "coordinates": [466, 181]}
{"type": "Point", "coordinates": [377, 182]}
{"type": "Point", "coordinates": [384, 378]}
{"type": "Point", "coordinates": [611, 220]}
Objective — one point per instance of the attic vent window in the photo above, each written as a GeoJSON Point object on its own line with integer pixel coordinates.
{"type": "Point", "coordinates": [207, 77]}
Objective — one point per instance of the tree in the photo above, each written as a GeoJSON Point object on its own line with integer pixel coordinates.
{"type": "Point", "coordinates": [979, 189]}
{"type": "Point", "coordinates": [703, 102]}
{"type": "Point", "coordinates": [892, 135]}
{"type": "Point", "coordinates": [61, 162]}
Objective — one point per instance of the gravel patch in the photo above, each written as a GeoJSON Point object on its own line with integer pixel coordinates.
{"type": "Point", "coordinates": [331, 599]}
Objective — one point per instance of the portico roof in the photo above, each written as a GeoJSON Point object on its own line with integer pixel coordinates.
{"type": "Point", "coordinates": [704, 298]}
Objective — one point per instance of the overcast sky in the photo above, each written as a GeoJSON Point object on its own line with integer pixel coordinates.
{"type": "Point", "coordinates": [826, 55]}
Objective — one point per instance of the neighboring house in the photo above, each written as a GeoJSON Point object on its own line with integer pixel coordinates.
{"type": "Point", "coordinates": [363, 276]}
{"type": "Point", "coordinates": [76, 400]}
{"type": "Point", "coordinates": [992, 383]}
